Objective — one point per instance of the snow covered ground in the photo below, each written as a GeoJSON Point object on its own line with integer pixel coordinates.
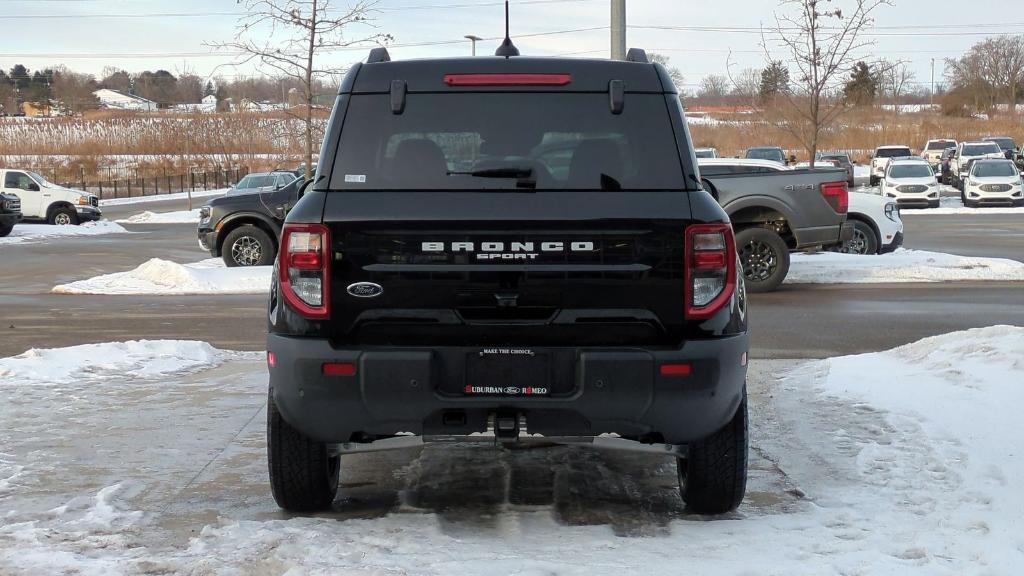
{"type": "Point", "coordinates": [165, 278]}
{"type": "Point", "coordinates": [147, 217]}
{"type": "Point", "coordinates": [118, 468]}
{"type": "Point", "coordinates": [37, 232]}
{"type": "Point", "coordinates": [163, 197]}
{"type": "Point", "coordinates": [900, 266]}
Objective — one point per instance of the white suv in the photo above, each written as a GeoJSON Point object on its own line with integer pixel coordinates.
{"type": "Point", "coordinates": [881, 159]}
{"type": "Point", "coordinates": [911, 183]}
{"type": "Point", "coordinates": [44, 200]}
{"type": "Point", "coordinates": [993, 182]}
{"type": "Point", "coordinates": [968, 152]}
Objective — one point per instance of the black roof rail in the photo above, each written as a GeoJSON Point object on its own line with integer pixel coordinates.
{"type": "Point", "coordinates": [378, 55]}
{"type": "Point", "coordinates": [637, 55]}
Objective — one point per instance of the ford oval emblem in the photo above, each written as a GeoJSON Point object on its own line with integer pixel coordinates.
{"type": "Point", "coordinates": [365, 289]}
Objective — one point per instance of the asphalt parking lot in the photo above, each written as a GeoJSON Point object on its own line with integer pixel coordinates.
{"type": "Point", "coordinates": [799, 321]}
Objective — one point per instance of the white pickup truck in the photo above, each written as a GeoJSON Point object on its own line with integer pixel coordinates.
{"type": "Point", "coordinates": [44, 200]}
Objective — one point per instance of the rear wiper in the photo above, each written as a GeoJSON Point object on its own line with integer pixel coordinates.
{"type": "Point", "coordinates": [522, 175]}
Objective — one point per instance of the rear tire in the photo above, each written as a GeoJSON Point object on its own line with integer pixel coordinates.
{"type": "Point", "coordinates": [713, 476]}
{"type": "Point", "coordinates": [864, 240]}
{"type": "Point", "coordinates": [303, 474]}
{"type": "Point", "coordinates": [765, 258]}
{"type": "Point", "coordinates": [63, 217]}
{"type": "Point", "coordinates": [248, 245]}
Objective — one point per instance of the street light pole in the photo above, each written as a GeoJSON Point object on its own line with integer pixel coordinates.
{"type": "Point", "coordinates": [474, 40]}
{"type": "Point", "coordinates": [618, 26]}
{"type": "Point", "coordinates": [931, 93]}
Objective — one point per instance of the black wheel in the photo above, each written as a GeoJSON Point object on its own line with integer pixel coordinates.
{"type": "Point", "coordinates": [248, 245]}
{"type": "Point", "coordinates": [63, 217]}
{"type": "Point", "coordinates": [303, 474]}
{"type": "Point", "coordinates": [765, 258]}
{"type": "Point", "coordinates": [713, 476]}
{"type": "Point", "coordinates": [5, 229]}
{"type": "Point", "coordinates": [864, 240]}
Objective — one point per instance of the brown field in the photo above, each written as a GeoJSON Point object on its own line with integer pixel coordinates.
{"type": "Point", "coordinates": [858, 132]}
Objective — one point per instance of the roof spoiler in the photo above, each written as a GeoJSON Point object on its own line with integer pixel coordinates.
{"type": "Point", "coordinates": [637, 55]}
{"type": "Point", "coordinates": [378, 55]}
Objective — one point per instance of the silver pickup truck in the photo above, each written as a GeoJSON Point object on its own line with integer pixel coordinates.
{"type": "Point", "coordinates": [774, 213]}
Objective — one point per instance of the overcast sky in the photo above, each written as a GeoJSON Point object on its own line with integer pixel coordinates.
{"type": "Point", "coordinates": [85, 35]}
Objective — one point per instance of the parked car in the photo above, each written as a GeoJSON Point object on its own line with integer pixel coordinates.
{"type": "Point", "coordinates": [415, 303]}
{"type": "Point", "coordinates": [945, 174]}
{"type": "Point", "coordinates": [706, 152]}
{"type": "Point", "coordinates": [842, 160]}
{"type": "Point", "coordinates": [10, 213]}
{"type": "Point", "coordinates": [933, 149]}
{"type": "Point", "coordinates": [1005, 143]}
{"type": "Point", "coordinates": [968, 152]}
{"type": "Point", "coordinates": [776, 210]}
{"type": "Point", "coordinates": [993, 182]}
{"type": "Point", "coordinates": [773, 153]}
{"type": "Point", "coordinates": [911, 183]}
{"type": "Point", "coordinates": [881, 158]}
{"type": "Point", "coordinates": [44, 200]}
{"type": "Point", "coordinates": [263, 182]}
{"type": "Point", "coordinates": [876, 226]}
{"type": "Point", "coordinates": [243, 229]}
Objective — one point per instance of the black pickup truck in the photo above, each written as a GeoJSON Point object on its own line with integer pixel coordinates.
{"type": "Point", "coordinates": [10, 213]}
{"type": "Point", "coordinates": [507, 250]}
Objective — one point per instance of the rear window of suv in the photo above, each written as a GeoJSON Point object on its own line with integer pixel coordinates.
{"type": "Point", "coordinates": [940, 145]}
{"type": "Point", "coordinates": [980, 149]}
{"type": "Point", "coordinates": [494, 141]}
{"type": "Point", "coordinates": [892, 152]}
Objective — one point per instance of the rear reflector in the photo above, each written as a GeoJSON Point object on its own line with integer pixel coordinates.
{"type": "Point", "coordinates": [339, 369]}
{"type": "Point", "coordinates": [507, 79]}
{"type": "Point", "coordinates": [271, 359]}
{"type": "Point", "coordinates": [676, 369]}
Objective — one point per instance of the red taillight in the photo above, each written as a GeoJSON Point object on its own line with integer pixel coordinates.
{"type": "Point", "coordinates": [339, 369]}
{"type": "Point", "coordinates": [507, 79]}
{"type": "Point", "coordinates": [676, 370]}
{"type": "Point", "coordinates": [271, 359]}
{"type": "Point", "coordinates": [710, 269]}
{"type": "Point", "coordinates": [837, 195]}
{"type": "Point", "coordinates": [304, 269]}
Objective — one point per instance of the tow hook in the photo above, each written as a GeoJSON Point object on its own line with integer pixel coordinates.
{"type": "Point", "coordinates": [506, 427]}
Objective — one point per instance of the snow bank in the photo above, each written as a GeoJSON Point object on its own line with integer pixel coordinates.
{"type": "Point", "coordinates": [901, 266]}
{"type": "Point", "coordinates": [147, 217]}
{"type": "Point", "coordinates": [163, 197]}
{"type": "Point", "coordinates": [145, 359]}
{"type": "Point", "coordinates": [164, 278]}
{"type": "Point", "coordinates": [35, 232]}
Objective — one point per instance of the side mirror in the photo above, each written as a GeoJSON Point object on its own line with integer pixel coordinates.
{"type": "Point", "coordinates": [711, 188]}
{"type": "Point", "coordinates": [33, 187]}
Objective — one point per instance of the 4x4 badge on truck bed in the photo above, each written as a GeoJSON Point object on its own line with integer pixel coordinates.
{"type": "Point", "coordinates": [365, 289]}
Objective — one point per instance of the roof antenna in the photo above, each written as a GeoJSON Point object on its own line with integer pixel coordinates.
{"type": "Point", "coordinates": [507, 48]}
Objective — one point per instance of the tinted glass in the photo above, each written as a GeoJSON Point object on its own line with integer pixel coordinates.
{"type": "Point", "coordinates": [911, 171]}
{"type": "Point", "coordinates": [17, 180]}
{"type": "Point", "coordinates": [507, 141]}
{"type": "Point", "coordinates": [893, 153]}
{"type": "Point", "coordinates": [841, 158]}
{"type": "Point", "coordinates": [717, 170]}
{"type": "Point", "coordinates": [980, 149]}
{"type": "Point", "coordinates": [705, 153]}
{"type": "Point", "coordinates": [1003, 143]}
{"type": "Point", "coordinates": [993, 169]}
{"type": "Point", "coordinates": [766, 154]}
{"type": "Point", "coordinates": [940, 145]}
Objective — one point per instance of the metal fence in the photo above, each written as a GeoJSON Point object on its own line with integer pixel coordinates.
{"type": "Point", "coordinates": [155, 185]}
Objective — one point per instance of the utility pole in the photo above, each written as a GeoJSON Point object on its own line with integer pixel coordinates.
{"type": "Point", "coordinates": [618, 29]}
{"type": "Point", "coordinates": [931, 93]}
{"type": "Point", "coordinates": [474, 40]}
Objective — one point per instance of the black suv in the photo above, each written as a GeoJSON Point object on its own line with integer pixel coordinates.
{"type": "Point", "coordinates": [243, 229]}
{"type": "Point", "coordinates": [10, 213]}
{"type": "Point", "coordinates": [507, 250]}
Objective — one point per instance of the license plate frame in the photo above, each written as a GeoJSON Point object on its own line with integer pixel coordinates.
{"type": "Point", "coordinates": [508, 372]}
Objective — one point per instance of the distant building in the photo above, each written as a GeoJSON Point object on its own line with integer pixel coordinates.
{"type": "Point", "coordinates": [114, 100]}
{"type": "Point", "coordinates": [207, 106]}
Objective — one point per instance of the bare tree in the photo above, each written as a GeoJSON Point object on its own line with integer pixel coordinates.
{"type": "Point", "coordinates": [822, 42]}
{"type": "Point", "coordinates": [713, 87]}
{"type": "Point", "coordinates": [894, 79]}
{"type": "Point", "coordinates": [74, 90]}
{"type": "Point", "coordinates": [747, 84]}
{"type": "Point", "coordinates": [299, 32]}
{"type": "Point", "coordinates": [1002, 64]}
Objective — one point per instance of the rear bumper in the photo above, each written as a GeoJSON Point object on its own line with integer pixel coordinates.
{"type": "Point", "coordinates": [398, 390]}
